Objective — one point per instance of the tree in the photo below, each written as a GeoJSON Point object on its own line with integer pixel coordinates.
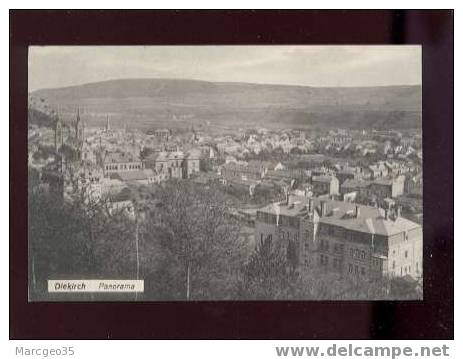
{"type": "Point", "coordinates": [197, 243]}
{"type": "Point", "coordinates": [82, 238]}
{"type": "Point", "coordinates": [268, 273]}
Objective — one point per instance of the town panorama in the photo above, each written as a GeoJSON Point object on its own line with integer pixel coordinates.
{"type": "Point", "coordinates": [223, 199]}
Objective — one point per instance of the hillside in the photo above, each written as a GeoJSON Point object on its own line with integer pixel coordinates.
{"type": "Point", "coordinates": [153, 102]}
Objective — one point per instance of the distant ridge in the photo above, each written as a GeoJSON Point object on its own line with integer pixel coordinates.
{"type": "Point", "coordinates": [245, 103]}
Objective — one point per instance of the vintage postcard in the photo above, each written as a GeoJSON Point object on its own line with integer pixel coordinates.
{"type": "Point", "coordinates": [199, 173]}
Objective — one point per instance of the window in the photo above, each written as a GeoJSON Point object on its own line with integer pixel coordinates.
{"type": "Point", "coordinates": [324, 260]}
{"type": "Point", "coordinates": [393, 264]}
{"type": "Point", "coordinates": [362, 270]}
{"type": "Point", "coordinates": [406, 254]}
{"type": "Point", "coordinates": [363, 255]}
{"type": "Point", "coordinates": [356, 269]}
{"type": "Point", "coordinates": [350, 268]}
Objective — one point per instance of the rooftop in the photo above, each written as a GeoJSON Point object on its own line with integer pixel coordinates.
{"type": "Point", "coordinates": [119, 157]}
{"type": "Point", "coordinates": [135, 175]}
{"type": "Point", "coordinates": [322, 178]}
{"type": "Point", "coordinates": [342, 214]}
{"type": "Point", "coordinates": [353, 183]}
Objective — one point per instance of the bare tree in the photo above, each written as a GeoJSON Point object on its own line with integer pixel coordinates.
{"type": "Point", "coordinates": [192, 226]}
{"type": "Point", "coordinates": [269, 273]}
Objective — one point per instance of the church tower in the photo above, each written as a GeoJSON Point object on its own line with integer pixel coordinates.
{"type": "Point", "coordinates": [79, 127]}
{"type": "Point", "coordinates": [107, 127]}
{"type": "Point", "coordinates": [58, 133]}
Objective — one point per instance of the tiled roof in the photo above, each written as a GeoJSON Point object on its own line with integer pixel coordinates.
{"type": "Point", "coordinates": [194, 154]}
{"type": "Point", "coordinates": [262, 164]}
{"type": "Point", "coordinates": [322, 178]}
{"type": "Point", "coordinates": [383, 181]}
{"type": "Point", "coordinates": [119, 157]}
{"type": "Point", "coordinates": [370, 220]}
{"type": "Point", "coordinates": [136, 175]}
{"type": "Point", "coordinates": [234, 167]}
{"type": "Point", "coordinates": [353, 183]}
{"type": "Point", "coordinates": [348, 170]}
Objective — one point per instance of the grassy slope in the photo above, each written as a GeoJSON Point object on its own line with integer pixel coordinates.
{"type": "Point", "coordinates": [150, 102]}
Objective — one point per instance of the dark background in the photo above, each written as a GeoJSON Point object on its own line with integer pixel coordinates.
{"type": "Point", "coordinates": [430, 319]}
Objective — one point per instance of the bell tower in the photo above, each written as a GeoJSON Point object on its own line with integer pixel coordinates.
{"type": "Point", "coordinates": [79, 127]}
{"type": "Point", "coordinates": [58, 133]}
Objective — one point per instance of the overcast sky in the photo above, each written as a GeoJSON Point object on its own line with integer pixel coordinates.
{"type": "Point", "coordinates": [58, 66]}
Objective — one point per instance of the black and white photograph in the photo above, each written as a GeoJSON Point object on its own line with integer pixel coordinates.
{"type": "Point", "coordinates": [225, 173]}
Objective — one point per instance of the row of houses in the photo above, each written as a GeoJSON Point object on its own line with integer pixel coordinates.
{"type": "Point", "coordinates": [380, 187]}
{"type": "Point", "coordinates": [320, 181]}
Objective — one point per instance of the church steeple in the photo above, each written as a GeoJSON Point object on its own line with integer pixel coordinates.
{"type": "Point", "coordinates": [107, 128]}
{"type": "Point", "coordinates": [77, 123]}
{"type": "Point", "coordinates": [58, 132]}
{"type": "Point", "coordinates": [79, 127]}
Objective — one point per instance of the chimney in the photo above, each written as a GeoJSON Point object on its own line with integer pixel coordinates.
{"type": "Point", "coordinates": [386, 214]}
{"type": "Point", "coordinates": [323, 208]}
{"type": "Point", "coordinates": [357, 211]}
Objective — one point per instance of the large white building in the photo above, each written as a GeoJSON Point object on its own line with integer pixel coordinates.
{"type": "Point", "coordinates": [350, 239]}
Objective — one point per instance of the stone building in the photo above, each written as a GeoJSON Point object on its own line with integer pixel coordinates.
{"type": "Point", "coordinates": [175, 164]}
{"type": "Point", "coordinates": [241, 171]}
{"type": "Point", "coordinates": [344, 238]}
{"type": "Point", "coordinates": [325, 185]}
{"type": "Point", "coordinates": [114, 162]}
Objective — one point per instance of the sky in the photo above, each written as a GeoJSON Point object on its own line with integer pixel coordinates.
{"type": "Point", "coordinates": [323, 66]}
